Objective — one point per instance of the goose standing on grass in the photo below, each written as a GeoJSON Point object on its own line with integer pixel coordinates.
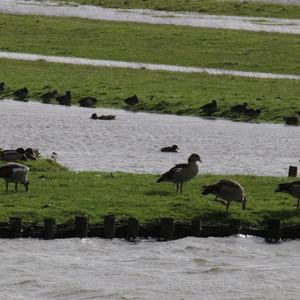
{"type": "Point", "coordinates": [15, 172]}
{"type": "Point", "coordinates": [182, 172]}
{"type": "Point", "coordinates": [227, 190]}
{"type": "Point", "coordinates": [292, 188]}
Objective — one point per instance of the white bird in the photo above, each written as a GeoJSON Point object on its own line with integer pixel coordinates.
{"type": "Point", "coordinates": [15, 172]}
{"type": "Point", "coordinates": [182, 172]}
{"type": "Point", "coordinates": [228, 190]}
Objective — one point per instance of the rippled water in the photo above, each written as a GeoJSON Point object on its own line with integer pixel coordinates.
{"type": "Point", "coordinates": [132, 142]}
{"type": "Point", "coordinates": [191, 268]}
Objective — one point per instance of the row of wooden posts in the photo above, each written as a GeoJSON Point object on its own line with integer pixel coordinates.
{"type": "Point", "coordinates": [165, 229]}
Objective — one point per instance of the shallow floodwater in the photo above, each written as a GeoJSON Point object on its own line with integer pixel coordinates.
{"type": "Point", "coordinates": [48, 8]}
{"type": "Point", "coordinates": [191, 268]}
{"type": "Point", "coordinates": [132, 142]}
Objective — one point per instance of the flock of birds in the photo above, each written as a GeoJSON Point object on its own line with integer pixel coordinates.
{"type": "Point", "coordinates": [208, 109]}
{"type": "Point", "coordinates": [225, 190]}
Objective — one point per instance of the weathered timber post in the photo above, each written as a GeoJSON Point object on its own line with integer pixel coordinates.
{"type": "Point", "coordinates": [132, 228]}
{"type": "Point", "coordinates": [234, 226]}
{"type": "Point", "coordinates": [49, 229]}
{"type": "Point", "coordinates": [167, 228]}
{"type": "Point", "coordinates": [109, 227]}
{"type": "Point", "coordinates": [196, 227]}
{"type": "Point", "coordinates": [81, 226]}
{"type": "Point", "coordinates": [15, 227]}
{"type": "Point", "coordinates": [293, 171]}
{"type": "Point", "coordinates": [274, 231]}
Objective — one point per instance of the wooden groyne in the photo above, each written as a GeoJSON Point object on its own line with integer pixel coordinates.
{"type": "Point", "coordinates": [164, 229]}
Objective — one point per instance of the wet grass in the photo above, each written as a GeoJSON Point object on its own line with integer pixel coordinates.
{"type": "Point", "coordinates": [164, 44]}
{"type": "Point", "coordinates": [61, 194]}
{"type": "Point", "coordinates": [227, 7]}
{"type": "Point", "coordinates": [164, 92]}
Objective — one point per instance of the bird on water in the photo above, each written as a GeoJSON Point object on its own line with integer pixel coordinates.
{"type": "Point", "coordinates": [173, 148]}
{"type": "Point", "coordinates": [227, 190]}
{"type": "Point", "coordinates": [292, 188]}
{"type": "Point", "coordinates": [15, 172]}
{"type": "Point", "coordinates": [181, 173]}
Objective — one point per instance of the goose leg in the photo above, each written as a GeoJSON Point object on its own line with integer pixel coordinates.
{"type": "Point", "coordinates": [177, 187]}
{"type": "Point", "coordinates": [16, 187]}
{"type": "Point", "coordinates": [298, 203]}
{"type": "Point", "coordinates": [227, 206]}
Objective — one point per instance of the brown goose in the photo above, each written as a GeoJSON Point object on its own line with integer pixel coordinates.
{"type": "Point", "coordinates": [292, 188]}
{"type": "Point", "coordinates": [181, 172]}
{"type": "Point", "coordinates": [227, 190]}
{"type": "Point", "coordinates": [14, 172]}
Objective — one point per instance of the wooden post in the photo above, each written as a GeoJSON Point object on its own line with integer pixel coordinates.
{"type": "Point", "coordinates": [109, 227]}
{"type": "Point", "coordinates": [132, 228]}
{"type": "Point", "coordinates": [167, 228]}
{"type": "Point", "coordinates": [49, 229]}
{"type": "Point", "coordinates": [234, 226]}
{"type": "Point", "coordinates": [274, 231]}
{"type": "Point", "coordinates": [196, 227]}
{"type": "Point", "coordinates": [15, 227]}
{"type": "Point", "coordinates": [293, 171]}
{"type": "Point", "coordinates": [81, 226]}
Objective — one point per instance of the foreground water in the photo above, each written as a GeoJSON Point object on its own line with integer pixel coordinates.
{"type": "Point", "coordinates": [190, 268]}
{"type": "Point", "coordinates": [132, 142]}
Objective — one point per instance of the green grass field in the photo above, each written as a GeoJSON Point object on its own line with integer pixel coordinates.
{"type": "Point", "coordinates": [163, 44]}
{"type": "Point", "coordinates": [61, 194]}
{"type": "Point", "coordinates": [218, 7]}
{"type": "Point", "coordinates": [164, 92]}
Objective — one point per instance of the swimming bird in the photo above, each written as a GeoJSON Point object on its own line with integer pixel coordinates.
{"type": "Point", "coordinates": [292, 188]}
{"type": "Point", "coordinates": [14, 172]}
{"type": "Point", "coordinates": [227, 190]}
{"type": "Point", "coordinates": [21, 94]}
{"type": "Point", "coordinates": [64, 99]}
{"type": "Point", "coordinates": [210, 108]}
{"type": "Point", "coordinates": [182, 172]}
{"type": "Point", "coordinates": [173, 148]}
{"type": "Point", "coordinates": [239, 108]}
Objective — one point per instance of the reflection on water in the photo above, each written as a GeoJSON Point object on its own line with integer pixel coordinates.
{"type": "Point", "coordinates": [191, 268]}
{"type": "Point", "coordinates": [132, 142]}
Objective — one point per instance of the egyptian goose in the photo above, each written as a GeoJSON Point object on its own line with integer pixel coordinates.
{"type": "Point", "coordinates": [227, 190]}
{"type": "Point", "coordinates": [182, 172]}
{"type": "Point", "coordinates": [15, 172]}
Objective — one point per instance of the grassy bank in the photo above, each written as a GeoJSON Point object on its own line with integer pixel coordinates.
{"type": "Point", "coordinates": [61, 194]}
{"type": "Point", "coordinates": [218, 7]}
{"type": "Point", "coordinates": [165, 92]}
{"type": "Point", "coordinates": [165, 44]}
